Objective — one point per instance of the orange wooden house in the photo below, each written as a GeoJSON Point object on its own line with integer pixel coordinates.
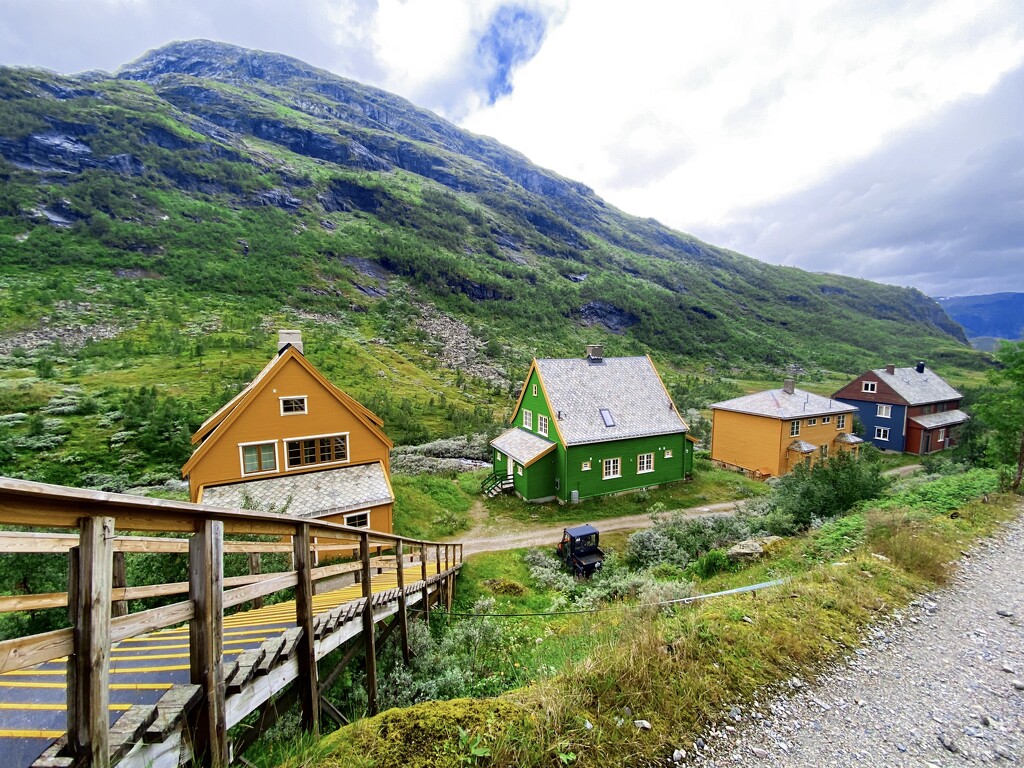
{"type": "Point", "coordinates": [293, 442]}
{"type": "Point", "coordinates": [768, 433]}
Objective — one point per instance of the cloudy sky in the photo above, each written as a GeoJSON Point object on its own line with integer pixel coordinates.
{"type": "Point", "coordinates": [877, 139]}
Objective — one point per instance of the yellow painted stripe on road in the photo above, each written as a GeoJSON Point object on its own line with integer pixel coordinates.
{"type": "Point", "coordinates": [112, 686]}
{"type": "Point", "coordinates": [57, 707]}
{"type": "Point", "coordinates": [8, 733]}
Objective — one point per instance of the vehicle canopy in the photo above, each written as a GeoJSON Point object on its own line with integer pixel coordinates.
{"type": "Point", "coordinates": [581, 530]}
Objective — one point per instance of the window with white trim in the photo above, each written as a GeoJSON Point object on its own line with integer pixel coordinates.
{"type": "Point", "coordinates": [668, 453]}
{"type": "Point", "coordinates": [319, 449]}
{"type": "Point", "coordinates": [534, 390]}
{"type": "Point", "coordinates": [644, 463]}
{"type": "Point", "coordinates": [884, 411]}
{"type": "Point", "coordinates": [542, 424]}
{"type": "Point", "coordinates": [869, 386]}
{"type": "Point", "coordinates": [811, 422]}
{"type": "Point", "coordinates": [293, 405]}
{"type": "Point", "coordinates": [259, 458]}
{"type": "Point", "coordinates": [841, 421]}
{"type": "Point", "coordinates": [823, 451]}
{"type": "Point", "coordinates": [794, 428]}
{"type": "Point", "coordinates": [527, 419]}
{"type": "Point", "coordinates": [611, 468]}
{"type": "Point", "coordinates": [519, 469]}
{"type": "Point", "coordinates": [585, 466]}
{"type": "Point", "coordinates": [881, 433]}
{"type": "Point", "coordinates": [942, 435]}
{"type": "Point", "coordinates": [826, 419]}
{"type": "Point", "coordinates": [358, 519]}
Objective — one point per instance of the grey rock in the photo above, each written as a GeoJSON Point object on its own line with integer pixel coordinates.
{"type": "Point", "coordinates": [948, 743]}
{"type": "Point", "coordinates": [643, 725]}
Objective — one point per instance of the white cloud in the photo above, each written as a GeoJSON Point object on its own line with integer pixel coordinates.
{"type": "Point", "coordinates": [741, 102]}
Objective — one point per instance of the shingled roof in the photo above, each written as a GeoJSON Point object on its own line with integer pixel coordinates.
{"type": "Point", "coordinates": [780, 404]}
{"type": "Point", "coordinates": [917, 388]}
{"type": "Point", "coordinates": [522, 446]}
{"type": "Point", "coordinates": [308, 494]}
{"type": "Point", "coordinates": [611, 398]}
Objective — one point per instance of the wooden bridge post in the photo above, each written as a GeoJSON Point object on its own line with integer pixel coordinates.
{"type": "Point", "coordinates": [89, 583]}
{"type": "Point", "coordinates": [206, 640]}
{"type": "Point", "coordinates": [437, 569]}
{"type": "Point", "coordinates": [403, 617]}
{"type": "Point", "coordinates": [255, 569]}
{"type": "Point", "coordinates": [425, 596]}
{"type": "Point", "coordinates": [307, 682]}
{"type": "Point", "coordinates": [120, 581]}
{"type": "Point", "coordinates": [369, 644]}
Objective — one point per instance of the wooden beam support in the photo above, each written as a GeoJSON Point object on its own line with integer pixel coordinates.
{"type": "Point", "coordinates": [120, 581]}
{"type": "Point", "coordinates": [370, 650]}
{"type": "Point", "coordinates": [206, 641]}
{"type": "Point", "coordinates": [425, 594]}
{"type": "Point", "coordinates": [403, 614]}
{"type": "Point", "coordinates": [90, 575]}
{"type": "Point", "coordinates": [255, 569]}
{"type": "Point", "coordinates": [308, 684]}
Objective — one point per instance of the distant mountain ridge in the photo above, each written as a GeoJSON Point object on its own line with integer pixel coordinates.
{"type": "Point", "coordinates": [237, 171]}
{"type": "Point", "coordinates": [997, 315]}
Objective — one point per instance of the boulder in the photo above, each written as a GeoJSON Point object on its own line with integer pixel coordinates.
{"type": "Point", "coordinates": [751, 549]}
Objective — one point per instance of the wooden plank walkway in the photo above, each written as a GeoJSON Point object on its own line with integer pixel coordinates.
{"type": "Point", "coordinates": [144, 669]}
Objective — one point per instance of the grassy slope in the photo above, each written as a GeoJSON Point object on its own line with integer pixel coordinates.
{"type": "Point", "coordinates": [682, 671]}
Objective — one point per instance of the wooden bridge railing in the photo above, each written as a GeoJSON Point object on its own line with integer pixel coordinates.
{"type": "Point", "coordinates": [92, 596]}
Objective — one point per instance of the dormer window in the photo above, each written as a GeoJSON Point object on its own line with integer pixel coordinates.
{"type": "Point", "coordinates": [293, 405]}
{"type": "Point", "coordinates": [607, 418]}
{"type": "Point", "coordinates": [869, 386]}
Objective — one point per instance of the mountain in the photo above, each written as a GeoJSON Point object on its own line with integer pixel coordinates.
{"type": "Point", "coordinates": [239, 172]}
{"type": "Point", "coordinates": [988, 317]}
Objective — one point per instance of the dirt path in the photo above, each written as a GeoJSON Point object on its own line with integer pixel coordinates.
{"type": "Point", "coordinates": [482, 537]}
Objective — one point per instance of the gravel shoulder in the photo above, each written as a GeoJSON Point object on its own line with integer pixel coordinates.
{"type": "Point", "coordinates": [939, 684]}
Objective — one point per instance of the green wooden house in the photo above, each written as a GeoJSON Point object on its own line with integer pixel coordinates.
{"type": "Point", "coordinates": [589, 427]}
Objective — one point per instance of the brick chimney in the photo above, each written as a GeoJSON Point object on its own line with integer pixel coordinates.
{"type": "Point", "coordinates": [595, 352]}
{"type": "Point", "coordinates": [284, 338]}
{"type": "Point", "coordinates": [788, 386]}
{"type": "Point", "coordinates": [920, 366]}
{"type": "Point", "coordinates": [890, 369]}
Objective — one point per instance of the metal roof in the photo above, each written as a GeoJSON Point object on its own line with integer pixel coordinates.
{"type": "Point", "coordinates": [780, 404]}
{"type": "Point", "coordinates": [522, 446]}
{"type": "Point", "coordinates": [848, 439]}
{"type": "Point", "coordinates": [917, 388]}
{"type": "Point", "coordinates": [628, 388]}
{"type": "Point", "coordinates": [802, 446]}
{"type": "Point", "coordinates": [581, 530]}
{"type": "Point", "coordinates": [942, 419]}
{"type": "Point", "coordinates": [308, 494]}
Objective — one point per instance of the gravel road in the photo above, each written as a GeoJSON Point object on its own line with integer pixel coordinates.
{"type": "Point", "coordinates": [549, 536]}
{"type": "Point", "coordinates": [940, 684]}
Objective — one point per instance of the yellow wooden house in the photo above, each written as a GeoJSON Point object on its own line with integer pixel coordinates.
{"type": "Point", "coordinates": [293, 442]}
{"type": "Point", "coordinates": [768, 433]}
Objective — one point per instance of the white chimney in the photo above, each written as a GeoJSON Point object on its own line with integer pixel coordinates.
{"type": "Point", "coordinates": [284, 338]}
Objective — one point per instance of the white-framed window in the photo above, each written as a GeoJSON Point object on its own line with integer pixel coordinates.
{"type": "Point", "coordinates": [811, 422]}
{"type": "Point", "coordinates": [258, 457]}
{"type": "Point", "coordinates": [826, 419]}
{"type": "Point", "coordinates": [869, 386]}
{"type": "Point", "coordinates": [942, 434]}
{"type": "Point", "coordinates": [644, 463]}
{"type": "Point", "coordinates": [527, 419]}
{"type": "Point", "coordinates": [534, 390]}
{"type": "Point", "coordinates": [317, 449]}
{"type": "Point", "coordinates": [823, 451]}
{"type": "Point", "coordinates": [542, 424]}
{"type": "Point", "coordinates": [611, 468]}
{"type": "Point", "coordinates": [519, 469]}
{"type": "Point", "coordinates": [841, 421]}
{"type": "Point", "coordinates": [293, 405]}
{"type": "Point", "coordinates": [585, 466]}
{"type": "Point", "coordinates": [794, 428]}
{"type": "Point", "coordinates": [499, 457]}
{"type": "Point", "coordinates": [668, 453]}
{"type": "Point", "coordinates": [881, 433]}
{"type": "Point", "coordinates": [359, 519]}
{"type": "Point", "coordinates": [884, 411]}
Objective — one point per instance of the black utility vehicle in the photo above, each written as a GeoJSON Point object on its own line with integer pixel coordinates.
{"type": "Point", "coordinates": [578, 548]}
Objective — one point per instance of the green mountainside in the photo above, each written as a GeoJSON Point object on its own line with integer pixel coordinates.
{"type": "Point", "coordinates": [157, 225]}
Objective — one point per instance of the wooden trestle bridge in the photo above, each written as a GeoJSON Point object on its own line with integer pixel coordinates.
{"type": "Point", "coordinates": [184, 683]}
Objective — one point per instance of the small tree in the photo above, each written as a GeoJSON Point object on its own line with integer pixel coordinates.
{"type": "Point", "coordinates": [1002, 408]}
